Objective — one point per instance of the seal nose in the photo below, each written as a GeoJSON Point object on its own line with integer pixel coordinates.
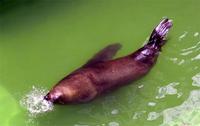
{"type": "Point", "coordinates": [52, 96]}
{"type": "Point", "coordinates": [47, 97]}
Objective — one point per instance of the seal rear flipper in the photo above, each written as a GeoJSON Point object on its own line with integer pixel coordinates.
{"type": "Point", "coordinates": [105, 54]}
{"type": "Point", "coordinates": [158, 35]}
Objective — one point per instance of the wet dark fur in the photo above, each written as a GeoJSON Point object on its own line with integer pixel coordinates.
{"type": "Point", "coordinates": [101, 73]}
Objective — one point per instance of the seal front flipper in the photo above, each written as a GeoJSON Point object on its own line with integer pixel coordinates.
{"type": "Point", "coordinates": [105, 54]}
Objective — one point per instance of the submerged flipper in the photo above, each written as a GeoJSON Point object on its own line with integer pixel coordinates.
{"type": "Point", "coordinates": [103, 55]}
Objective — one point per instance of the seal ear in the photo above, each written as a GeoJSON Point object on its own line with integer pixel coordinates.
{"type": "Point", "coordinates": [105, 54]}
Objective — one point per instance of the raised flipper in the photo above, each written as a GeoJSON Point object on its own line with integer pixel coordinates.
{"type": "Point", "coordinates": [158, 35]}
{"type": "Point", "coordinates": [105, 54]}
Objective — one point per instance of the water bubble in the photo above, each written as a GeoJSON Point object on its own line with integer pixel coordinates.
{"type": "Point", "coordinates": [34, 102]}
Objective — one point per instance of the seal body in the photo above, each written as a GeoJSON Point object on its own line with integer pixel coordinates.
{"type": "Point", "coordinates": [102, 73]}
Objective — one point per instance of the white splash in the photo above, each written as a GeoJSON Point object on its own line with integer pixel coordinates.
{"type": "Point", "coordinates": [153, 116]}
{"type": "Point", "coordinates": [167, 90]}
{"type": "Point", "coordinates": [196, 80]}
{"type": "Point", "coordinates": [186, 113]}
{"type": "Point", "coordinates": [34, 102]}
{"type": "Point", "coordinates": [183, 35]}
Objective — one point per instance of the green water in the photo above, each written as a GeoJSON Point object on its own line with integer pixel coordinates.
{"type": "Point", "coordinates": [42, 41]}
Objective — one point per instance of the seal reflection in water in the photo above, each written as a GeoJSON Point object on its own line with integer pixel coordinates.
{"type": "Point", "coordinates": [102, 73]}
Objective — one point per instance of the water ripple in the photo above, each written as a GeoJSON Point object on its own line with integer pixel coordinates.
{"type": "Point", "coordinates": [183, 35]}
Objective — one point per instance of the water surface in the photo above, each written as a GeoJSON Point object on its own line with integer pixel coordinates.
{"type": "Point", "coordinates": [42, 41]}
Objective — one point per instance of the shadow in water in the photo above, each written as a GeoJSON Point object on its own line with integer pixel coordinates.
{"type": "Point", "coordinates": [16, 15]}
{"type": "Point", "coordinates": [8, 5]}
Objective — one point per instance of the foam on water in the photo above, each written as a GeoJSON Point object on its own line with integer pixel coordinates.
{"type": "Point", "coordinates": [153, 116]}
{"type": "Point", "coordinates": [34, 102]}
{"type": "Point", "coordinates": [186, 113]}
{"type": "Point", "coordinates": [167, 90]}
{"type": "Point", "coordinates": [138, 114]}
{"type": "Point", "coordinates": [196, 80]}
